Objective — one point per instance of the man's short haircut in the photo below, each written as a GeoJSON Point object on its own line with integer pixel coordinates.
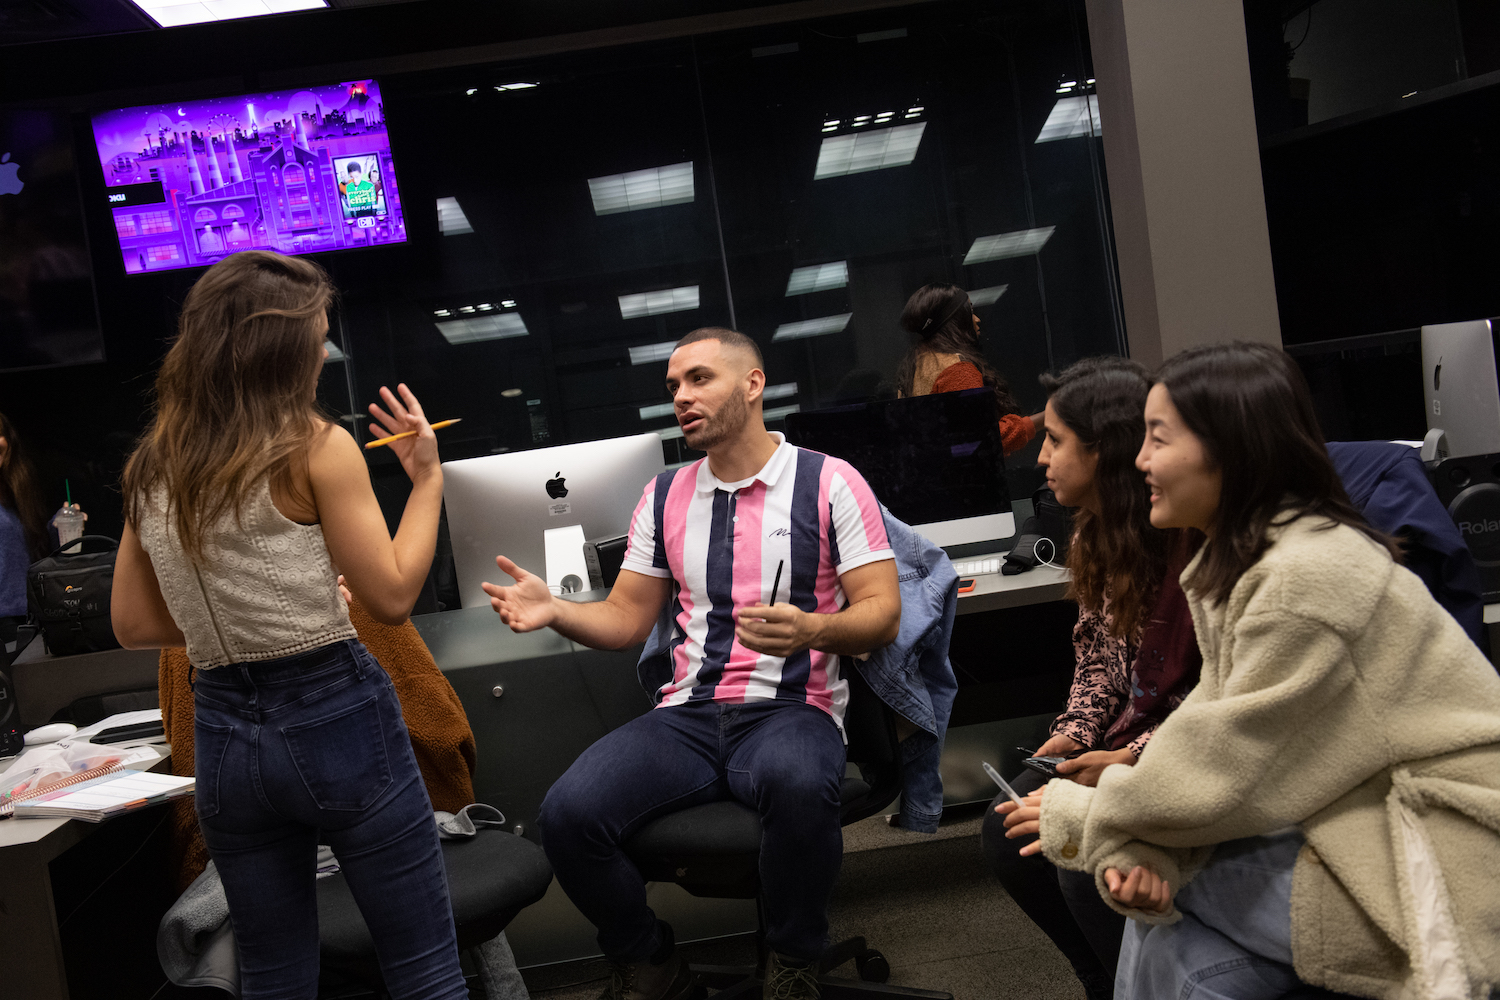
{"type": "Point", "coordinates": [353, 167]}
{"type": "Point", "coordinates": [727, 337]}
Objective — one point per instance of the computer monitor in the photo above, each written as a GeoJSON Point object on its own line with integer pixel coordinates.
{"type": "Point", "coordinates": [935, 461]}
{"type": "Point", "coordinates": [47, 314]}
{"type": "Point", "coordinates": [504, 504]}
{"type": "Point", "coordinates": [1461, 389]}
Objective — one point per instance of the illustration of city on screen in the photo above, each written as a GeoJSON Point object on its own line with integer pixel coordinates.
{"type": "Point", "coordinates": [299, 171]}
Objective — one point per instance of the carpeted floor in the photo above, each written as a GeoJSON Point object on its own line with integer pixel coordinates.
{"type": "Point", "coordinates": [926, 902]}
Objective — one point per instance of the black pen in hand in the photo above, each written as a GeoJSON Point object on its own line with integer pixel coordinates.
{"type": "Point", "coordinates": [776, 585]}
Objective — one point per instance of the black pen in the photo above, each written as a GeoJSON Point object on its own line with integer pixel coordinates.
{"type": "Point", "coordinates": [777, 585]}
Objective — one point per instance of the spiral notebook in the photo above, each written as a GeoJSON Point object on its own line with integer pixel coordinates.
{"type": "Point", "coordinates": [97, 794]}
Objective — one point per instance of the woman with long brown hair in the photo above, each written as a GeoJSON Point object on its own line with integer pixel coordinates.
{"type": "Point", "coordinates": [947, 358]}
{"type": "Point", "coordinates": [1324, 807]}
{"type": "Point", "coordinates": [1136, 658]}
{"type": "Point", "coordinates": [23, 526]}
{"type": "Point", "coordinates": [239, 500]}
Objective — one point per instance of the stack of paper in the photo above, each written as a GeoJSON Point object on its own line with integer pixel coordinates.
{"type": "Point", "coordinates": [100, 798]}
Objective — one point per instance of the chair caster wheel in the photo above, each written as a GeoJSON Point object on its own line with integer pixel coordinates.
{"type": "Point", "coordinates": [872, 966]}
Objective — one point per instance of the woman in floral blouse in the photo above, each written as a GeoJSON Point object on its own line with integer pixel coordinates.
{"type": "Point", "coordinates": [1137, 656]}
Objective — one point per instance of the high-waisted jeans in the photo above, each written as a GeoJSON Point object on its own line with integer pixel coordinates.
{"type": "Point", "coordinates": [784, 759]}
{"type": "Point", "coordinates": [311, 749]}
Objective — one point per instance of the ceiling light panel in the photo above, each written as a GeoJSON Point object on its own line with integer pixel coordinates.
{"type": "Point", "coordinates": [171, 13]}
{"type": "Point", "coordinates": [656, 411]}
{"type": "Point", "coordinates": [644, 354]}
{"type": "Point", "coordinates": [818, 278]}
{"type": "Point", "coordinates": [858, 152]}
{"type": "Point", "coordinates": [495, 326]}
{"type": "Point", "coordinates": [667, 300]}
{"type": "Point", "coordinates": [638, 189]}
{"type": "Point", "coordinates": [1072, 117]}
{"type": "Point", "coordinates": [777, 412]}
{"type": "Point", "coordinates": [451, 218]}
{"type": "Point", "coordinates": [987, 296]}
{"type": "Point", "coordinates": [1021, 243]}
{"type": "Point", "coordinates": [811, 327]}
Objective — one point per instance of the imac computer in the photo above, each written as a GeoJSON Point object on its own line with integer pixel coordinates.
{"type": "Point", "coordinates": [1460, 387]}
{"type": "Point", "coordinates": [934, 461]}
{"type": "Point", "coordinates": [507, 504]}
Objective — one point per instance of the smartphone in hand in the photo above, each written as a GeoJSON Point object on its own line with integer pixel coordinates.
{"type": "Point", "coordinates": [1048, 765]}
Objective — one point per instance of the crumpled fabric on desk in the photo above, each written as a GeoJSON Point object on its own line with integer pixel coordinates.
{"type": "Point", "coordinates": [195, 940]}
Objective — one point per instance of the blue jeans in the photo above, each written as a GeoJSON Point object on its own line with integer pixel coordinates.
{"type": "Point", "coordinates": [308, 749]}
{"type": "Point", "coordinates": [1234, 941]}
{"type": "Point", "coordinates": [784, 759]}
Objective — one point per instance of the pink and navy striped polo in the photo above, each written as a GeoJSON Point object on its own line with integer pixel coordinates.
{"type": "Point", "coordinates": [722, 542]}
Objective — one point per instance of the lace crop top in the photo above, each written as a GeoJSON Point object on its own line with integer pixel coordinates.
{"type": "Point", "coordinates": [266, 587]}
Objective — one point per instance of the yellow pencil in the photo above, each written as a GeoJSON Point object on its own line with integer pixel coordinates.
{"type": "Point", "coordinates": [406, 434]}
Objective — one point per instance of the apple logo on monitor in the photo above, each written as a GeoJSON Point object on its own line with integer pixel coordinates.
{"type": "Point", "coordinates": [9, 182]}
{"type": "Point", "coordinates": [557, 488]}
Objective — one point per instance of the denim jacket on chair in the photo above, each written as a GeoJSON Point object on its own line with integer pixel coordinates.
{"type": "Point", "coordinates": [912, 675]}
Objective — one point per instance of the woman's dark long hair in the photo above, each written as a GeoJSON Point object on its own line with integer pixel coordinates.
{"type": "Point", "coordinates": [1115, 550]}
{"type": "Point", "coordinates": [18, 491]}
{"type": "Point", "coordinates": [941, 315]}
{"type": "Point", "coordinates": [235, 397]}
{"type": "Point", "coordinates": [1251, 408]}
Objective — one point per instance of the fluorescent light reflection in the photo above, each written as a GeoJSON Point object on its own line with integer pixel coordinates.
{"type": "Point", "coordinates": [811, 327]}
{"type": "Point", "coordinates": [1072, 117]}
{"type": "Point", "coordinates": [987, 296]}
{"type": "Point", "coordinates": [647, 353]}
{"type": "Point", "coordinates": [171, 13]}
{"type": "Point", "coordinates": [667, 300]}
{"type": "Point", "coordinates": [496, 326]}
{"type": "Point", "coordinates": [638, 189]}
{"type": "Point", "coordinates": [855, 153]}
{"type": "Point", "coordinates": [818, 277]}
{"type": "Point", "coordinates": [778, 412]}
{"type": "Point", "coordinates": [780, 391]}
{"type": "Point", "coordinates": [334, 354]}
{"type": "Point", "coordinates": [1021, 243]}
{"type": "Point", "coordinates": [451, 218]}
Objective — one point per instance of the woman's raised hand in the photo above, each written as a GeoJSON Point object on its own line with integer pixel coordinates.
{"type": "Point", "coordinates": [418, 454]}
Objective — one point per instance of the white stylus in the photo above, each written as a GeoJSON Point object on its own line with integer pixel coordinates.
{"type": "Point", "coordinates": [1004, 785]}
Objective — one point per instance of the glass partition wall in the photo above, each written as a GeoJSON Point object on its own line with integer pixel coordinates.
{"type": "Point", "coordinates": [796, 182]}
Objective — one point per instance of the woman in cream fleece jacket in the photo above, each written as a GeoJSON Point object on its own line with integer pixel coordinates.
{"type": "Point", "coordinates": [1340, 709]}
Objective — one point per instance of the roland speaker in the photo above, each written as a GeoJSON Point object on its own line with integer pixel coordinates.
{"type": "Point", "coordinates": [1470, 489]}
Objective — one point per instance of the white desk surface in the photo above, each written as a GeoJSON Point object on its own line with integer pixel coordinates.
{"type": "Point", "coordinates": [993, 591]}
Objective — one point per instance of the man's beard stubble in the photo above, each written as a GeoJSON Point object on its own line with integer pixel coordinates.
{"type": "Point", "coordinates": [721, 426]}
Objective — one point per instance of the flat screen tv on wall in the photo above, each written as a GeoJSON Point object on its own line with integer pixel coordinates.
{"type": "Point", "coordinates": [297, 171]}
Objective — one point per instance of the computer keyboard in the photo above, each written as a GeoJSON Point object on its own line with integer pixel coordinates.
{"type": "Point", "coordinates": [977, 567]}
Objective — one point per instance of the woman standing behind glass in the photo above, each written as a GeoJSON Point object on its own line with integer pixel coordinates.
{"type": "Point", "coordinates": [238, 501]}
{"type": "Point", "coordinates": [23, 528]}
{"type": "Point", "coordinates": [947, 358]}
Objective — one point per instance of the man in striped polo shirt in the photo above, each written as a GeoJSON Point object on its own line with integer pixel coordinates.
{"type": "Point", "coordinates": [753, 710]}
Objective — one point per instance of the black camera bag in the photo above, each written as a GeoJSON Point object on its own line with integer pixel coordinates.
{"type": "Point", "coordinates": [69, 597]}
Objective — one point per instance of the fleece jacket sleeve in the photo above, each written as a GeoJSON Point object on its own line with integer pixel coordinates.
{"type": "Point", "coordinates": [1243, 761]}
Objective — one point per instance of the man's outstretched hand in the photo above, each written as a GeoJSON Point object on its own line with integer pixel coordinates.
{"type": "Point", "coordinates": [525, 606]}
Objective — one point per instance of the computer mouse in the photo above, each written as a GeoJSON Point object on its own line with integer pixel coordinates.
{"type": "Point", "coordinates": [50, 733]}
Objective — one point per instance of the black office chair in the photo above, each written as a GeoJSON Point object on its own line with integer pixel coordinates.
{"type": "Point", "coordinates": [491, 877]}
{"type": "Point", "coordinates": [713, 851]}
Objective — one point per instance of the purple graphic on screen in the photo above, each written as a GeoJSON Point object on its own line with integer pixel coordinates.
{"type": "Point", "coordinates": [298, 171]}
